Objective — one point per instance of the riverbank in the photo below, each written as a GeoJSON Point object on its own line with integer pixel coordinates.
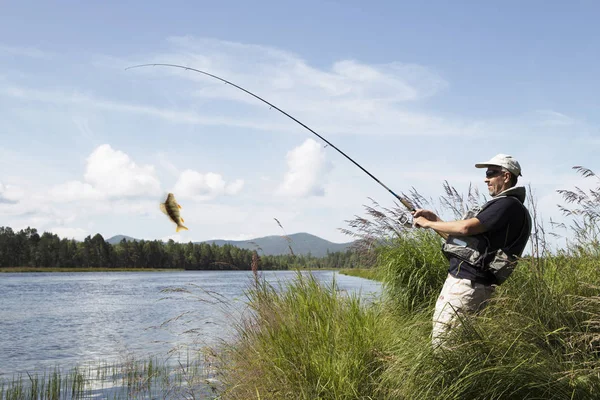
{"type": "Point", "coordinates": [365, 273]}
{"type": "Point", "coordinates": [39, 269]}
{"type": "Point", "coordinates": [42, 269]}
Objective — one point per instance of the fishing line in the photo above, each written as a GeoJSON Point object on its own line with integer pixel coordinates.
{"type": "Point", "coordinates": [402, 200]}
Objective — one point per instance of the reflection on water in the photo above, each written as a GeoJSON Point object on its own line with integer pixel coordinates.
{"type": "Point", "coordinates": [68, 319]}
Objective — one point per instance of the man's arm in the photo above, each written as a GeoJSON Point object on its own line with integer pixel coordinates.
{"type": "Point", "coordinates": [467, 227]}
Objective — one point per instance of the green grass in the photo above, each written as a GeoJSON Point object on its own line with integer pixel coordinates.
{"type": "Point", "coordinates": [305, 341]}
{"type": "Point", "coordinates": [538, 339]}
{"type": "Point", "coordinates": [366, 273]}
{"type": "Point", "coordinates": [129, 380]}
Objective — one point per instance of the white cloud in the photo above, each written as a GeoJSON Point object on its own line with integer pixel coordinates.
{"type": "Point", "coordinates": [235, 187]}
{"type": "Point", "coordinates": [84, 101]}
{"type": "Point", "coordinates": [306, 167]}
{"type": "Point", "coordinates": [390, 82]}
{"type": "Point", "coordinates": [24, 51]}
{"type": "Point", "coordinates": [69, 233]}
{"type": "Point", "coordinates": [175, 237]}
{"type": "Point", "coordinates": [113, 173]}
{"type": "Point", "coordinates": [195, 185]}
{"type": "Point", "coordinates": [344, 97]}
{"type": "Point", "coordinates": [553, 119]}
{"type": "Point", "coordinates": [109, 174]}
{"type": "Point", "coordinates": [10, 194]}
{"type": "Point", "coordinates": [74, 191]}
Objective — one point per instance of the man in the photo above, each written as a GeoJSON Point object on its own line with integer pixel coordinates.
{"type": "Point", "coordinates": [483, 247]}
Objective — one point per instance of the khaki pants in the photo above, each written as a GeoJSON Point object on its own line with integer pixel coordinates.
{"type": "Point", "coordinates": [457, 296]}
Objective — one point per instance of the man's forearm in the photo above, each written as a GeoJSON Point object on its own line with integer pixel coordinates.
{"type": "Point", "coordinates": [445, 228]}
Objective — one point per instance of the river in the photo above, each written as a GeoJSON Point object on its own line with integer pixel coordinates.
{"type": "Point", "coordinates": [69, 319]}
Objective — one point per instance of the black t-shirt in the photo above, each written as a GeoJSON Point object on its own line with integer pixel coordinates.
{"type": "Point", "coordinates": [505, 219]}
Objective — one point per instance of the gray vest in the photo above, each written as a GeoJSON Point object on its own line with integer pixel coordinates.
{"type": "Point", "coordinates": [474, 250]}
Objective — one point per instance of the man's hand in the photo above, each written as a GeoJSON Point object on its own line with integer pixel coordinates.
{"type": "Point", "coordinates": [422, 218]}
{"type": "Point", "coordinates": [421, 222]}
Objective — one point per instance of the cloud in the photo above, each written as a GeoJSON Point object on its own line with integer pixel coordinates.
{"type": "Point", "coordinates": [195, 185]}
{"type": "Point", "coordinates": [113, 173]}
{"type": "Point", "coordinates": [306, 167]}
{"type": "Point", "coordinates": [74, 191]}
{"type": "Point", "coordinates": [271, 68]}
{"type": "Point", "coordinates": [235, 187]}
{"type": "Point", "coordinates": [24, 51]}
{"type": "Point", "coordinates": [81, 100]}
{"type": "Point", "coordinates": [394, 82]}
{"type": "Point", "coordinates": [343, 97]}
{"type": "Point", "coordinates": [10, 194]}
{"type": "Point", "coordinates": [69, 233]}
{"type": "Point", "coordinates": [109, 174]}
{"type": "Point", "coordinates": [177, 238]}
{"type": "Point", "coordinates": [348, 92]}
{"type": "Point", "coordinates": [551, 118]}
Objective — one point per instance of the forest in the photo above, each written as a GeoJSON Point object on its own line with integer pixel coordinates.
{"type": "Point", "coordinates": [27, 248]}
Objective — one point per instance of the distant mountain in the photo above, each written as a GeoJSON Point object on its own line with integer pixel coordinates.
{"type": "Point", "coordinates": [117, 239]}
{"type": "Point", "coordinates": [301, 244]}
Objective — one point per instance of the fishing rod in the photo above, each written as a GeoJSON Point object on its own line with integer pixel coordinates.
{"type": "Point", "coordinates": [402, 200]}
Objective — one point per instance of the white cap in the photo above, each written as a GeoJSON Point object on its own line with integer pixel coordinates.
{"type": "Point", "coordinates": [504, 161]}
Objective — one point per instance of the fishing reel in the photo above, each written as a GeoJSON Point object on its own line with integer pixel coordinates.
{"type": "Point", "coordinates": [406, 220]}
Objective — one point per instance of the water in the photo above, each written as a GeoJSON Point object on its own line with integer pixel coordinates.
{"type": "Point", "coordinates": [69, 319]}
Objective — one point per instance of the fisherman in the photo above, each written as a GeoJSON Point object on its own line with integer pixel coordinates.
{"type": "Point", "coordinates": [482, 248]}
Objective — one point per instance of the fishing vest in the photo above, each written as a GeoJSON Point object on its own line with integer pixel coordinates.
{"type": "Point", "coordinates": [474, 250]}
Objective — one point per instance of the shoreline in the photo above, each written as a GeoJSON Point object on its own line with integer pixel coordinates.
{"type": "Point", "coordinates": [58, 270]}
{"type": "Point", "coordinates": [40, 269]}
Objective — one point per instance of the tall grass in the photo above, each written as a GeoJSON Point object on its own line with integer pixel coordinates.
{"type": "Point", "coordinates": [539, 338]}
{"type": "Point", "coordinates": [305, 341]}
{"type": "Point", "coordinates": [413, 271]}
{"type": "Point", "coordinates": [145, 379]}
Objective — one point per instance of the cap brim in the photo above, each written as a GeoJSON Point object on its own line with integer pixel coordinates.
{"type": "Point", "coordinates": [486, 164]}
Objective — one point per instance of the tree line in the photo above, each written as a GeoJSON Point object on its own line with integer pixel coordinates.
{"type": "Point", "coordinates": [27, 248]}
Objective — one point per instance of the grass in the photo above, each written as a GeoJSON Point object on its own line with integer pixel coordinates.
{"type": "Point", "coordinates": [365, 273]}
{"type": "Point", "coordinates": [305, 341]}
{"type": "Point", "coordinates": [539, 338]}
{"type": "Point", "coordinates": [148, 379]}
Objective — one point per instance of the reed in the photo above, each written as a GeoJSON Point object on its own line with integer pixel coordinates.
{"type": "Point", "coordinates": [539, 338]}
{"type": "Point", "coordinates": [132, 379]}
{"type": "Point", "coordinates": [304, 340]}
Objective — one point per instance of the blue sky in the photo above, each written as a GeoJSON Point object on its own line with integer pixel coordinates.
{"type": "Point", "coordinates": [417, 92]}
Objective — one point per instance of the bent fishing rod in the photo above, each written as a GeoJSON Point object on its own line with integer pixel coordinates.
{"type": "Point", "coordinates": [404, 202]}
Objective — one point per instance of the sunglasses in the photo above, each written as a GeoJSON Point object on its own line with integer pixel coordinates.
{"type": "Point", "coordinates": [492, 173]}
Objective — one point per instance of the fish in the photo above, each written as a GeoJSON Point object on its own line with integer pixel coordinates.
{"type": "Point", "coordinates": [171, 208]}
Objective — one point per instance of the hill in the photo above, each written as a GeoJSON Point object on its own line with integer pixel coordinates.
{"type": "Point", "coordinates": [301, 244]}
{"type": "Point", "coordinates": [117, 239]}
